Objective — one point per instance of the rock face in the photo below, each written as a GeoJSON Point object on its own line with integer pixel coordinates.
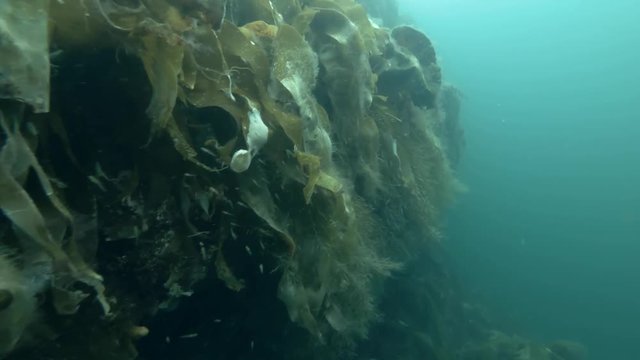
{"type": "Point", "coordinates": [222, 179]}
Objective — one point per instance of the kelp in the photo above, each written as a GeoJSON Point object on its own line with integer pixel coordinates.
{"type": "Point", "coordinates": [278, 154]}
{"type": "Point", "coordinates": [358, 16]}
{"type": "Point", "coordinates": [16, 158]}
{"type": "Point", "coordinates": [24, 67]}
{"type": "Point", "coordinates": [385, 12]}
{"type": "Point", "coordinates": [293, 79]}
{"type": "Point", "coordinates": [254, 191]}
{"type": "Point", "coordinates": [346, 71]}
{"type": "Point", "coordinates": [17, 303]}
{"type": "Point", "coordinates": [413, 41]}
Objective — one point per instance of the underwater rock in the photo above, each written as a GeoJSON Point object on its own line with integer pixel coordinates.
{"type": "Point", "coordinates": [272, 164]}
{"type": "Point", "coordinates": [498, 345]}
{"type": "Point", "coordinates": [568, 350]}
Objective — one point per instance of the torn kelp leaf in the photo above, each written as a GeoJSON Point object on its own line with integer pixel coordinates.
{"type": "Point", "coordinates": [162, 59]}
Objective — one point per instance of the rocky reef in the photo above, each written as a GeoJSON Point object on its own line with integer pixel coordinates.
{"type": "Point", "coordinates": [223, 179]}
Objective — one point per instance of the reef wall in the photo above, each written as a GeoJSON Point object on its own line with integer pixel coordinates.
{"type": "Point", "coordinates": [240, 179]}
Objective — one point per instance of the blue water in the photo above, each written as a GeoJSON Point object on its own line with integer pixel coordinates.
{"type": "Point", "coordinates": [548, 236]}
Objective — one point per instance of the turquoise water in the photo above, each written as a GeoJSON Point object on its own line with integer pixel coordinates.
{"type": "Point", "coordinates": [548, 236]}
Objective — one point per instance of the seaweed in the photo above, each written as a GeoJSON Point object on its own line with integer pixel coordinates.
{"type": "Point", "coordinates": [228, 155]}
{"type": "Point", "coordinates": [24, 68]}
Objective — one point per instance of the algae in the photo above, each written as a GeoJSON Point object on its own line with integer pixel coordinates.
{"type": "Point", "coordinates": [279, 166]}
{"type": "Point", "coordinates": [24, 67]}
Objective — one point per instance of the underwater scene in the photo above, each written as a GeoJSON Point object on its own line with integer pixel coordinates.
{"type": "Point", "coordinates": [319, 179]}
